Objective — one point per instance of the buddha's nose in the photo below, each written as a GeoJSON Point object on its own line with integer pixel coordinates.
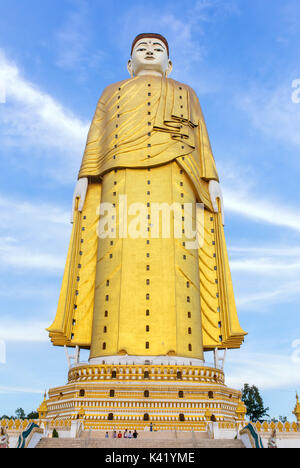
{"type": "Point", "coordinates": [149, 52]}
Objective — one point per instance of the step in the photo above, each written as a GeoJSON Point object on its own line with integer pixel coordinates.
{"type": "Point", "coordinates": [137, 443]}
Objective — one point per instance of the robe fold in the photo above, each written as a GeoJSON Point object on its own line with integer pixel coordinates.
{"type": "Point", "coordinates": [148, 141]}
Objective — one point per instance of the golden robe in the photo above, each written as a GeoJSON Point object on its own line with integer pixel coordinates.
{"type": "Point", "coordinates": [148, 141]}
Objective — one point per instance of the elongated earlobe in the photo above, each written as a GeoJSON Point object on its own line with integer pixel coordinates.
{"type": "Point", "coordinates": [169, 69]}
{"type": "Point", "coordinates": [129, 68]}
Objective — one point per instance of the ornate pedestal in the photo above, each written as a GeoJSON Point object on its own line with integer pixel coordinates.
{"type": "Point", "coordinates": [135, 396]}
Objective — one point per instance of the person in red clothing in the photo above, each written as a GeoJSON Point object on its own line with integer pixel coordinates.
{"type": "Point", "coordinates": [120, 435]}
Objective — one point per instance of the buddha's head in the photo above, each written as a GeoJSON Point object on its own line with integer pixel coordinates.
{"type": "Point", "coordinates": [150, 56]}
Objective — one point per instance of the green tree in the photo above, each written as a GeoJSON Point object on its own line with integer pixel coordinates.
{"type": "Point", "coordinates": [33, 415]}
{"type": "Point", "coordinates": [283, 419]}
{"type": "Point", "coordinates": [254, 403]}
{"type": "Point", "coordinates": [20, 413]}
{"type": "Point", "coordinates": [55, 434]}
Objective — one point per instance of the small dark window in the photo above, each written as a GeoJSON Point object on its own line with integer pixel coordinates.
{"type": "Point", "coordinates": [211, 395]}
{"type": "Point", "coordinates": [82, 393]}
{"type": "Point", "coordinates": [146, 375]}
{"type": "Point", "coordinates": [213, 418]}
{"type": "Point", "coordinates": [147, 345]}
{"type": "Point", "coordinates": [146, 394]}
{"type": "Point", "coordinates": [107, 298]}
{"type": "Point", "coordinates": [112, 394]}
{"type": "Point", "coordinates": [189, 315]}
{"type": "Point", "coordinates": [180, 394]}
{"type": "Point", "coordinates": [114, 374]}
{"type": "Point", "coordinates": [190, 347]}
{"type": "Point", "coordinates": [110, 417]}
{"type": "Point", "coordinates": [104, 346]}
{"type": "Point", "coordinates": [179, 375]}
{"type": "Point", "coordinates": [105, 330]}
{"type": "Point", "coordinates": [106, 313]}
{"type": "Point", "coordinates": [181, 418]}
{"type": "Point", "coordinates": [190, 331]}
{"type": "Point", "coordinates": [147, 312]}
{"type": "Point", "coordinates": [146, 417]}
{"type": "Point", "coordinates": [147, 328]}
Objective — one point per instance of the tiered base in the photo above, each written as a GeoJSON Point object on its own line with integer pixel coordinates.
{"type": "Point", "coordinates": [167, 397]}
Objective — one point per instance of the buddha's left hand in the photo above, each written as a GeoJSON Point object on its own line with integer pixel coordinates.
{"type": "Point", "coordinates": [215, 194]}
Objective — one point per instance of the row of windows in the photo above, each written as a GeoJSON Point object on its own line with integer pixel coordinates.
{"type": "Point", "coordinates": [112, 393]}
{"type": "Point", "coordinates": [188, 299]}
{"type": "Point", "coordinates": [147, 328]}
{"type": "Point", "coordinates": [146, 417]}
{"type": "Point", "coordinates": [147, 344]}
{"type": "Point", "coordinates": [189, 314]}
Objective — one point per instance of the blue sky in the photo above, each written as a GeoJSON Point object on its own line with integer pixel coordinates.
{"type": "Point", "coordinates": [241, 57]}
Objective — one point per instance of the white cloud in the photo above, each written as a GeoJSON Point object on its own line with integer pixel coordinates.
{"type": "Point", "coordinates": [34, 235]}
{"type": "Point", "coordinates": [267, 260]}
{"type": "Point", "coordinates": [32, 118]}
{"type": "Point", "coordinates": [20, 257]}
{"type": "Point", "coordinates": [260, 209]}
{"type": "Point", "coordinates": [21, 331]}
{"type": "Point", "coordinates": [74, 42]}
{"type": "Point", "coordinates": [9, 390]}
{"type": "Point", "coordinates": [265, 370]}
{"type": "Point", "coordinates": [273, 112]}
{"type": "Point", "coordinates": [264, 266]}
{"type": "Point", "coordinates": [286, 293]}
{"type": "Point", "coordinates": [265, 275]}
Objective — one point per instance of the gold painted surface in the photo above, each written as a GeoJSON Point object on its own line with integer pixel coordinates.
{"type": "Point", "coordinates": [147, 129]}
{"type": "Point", "coordinates": [149, 121]}
{"type": "Point", "coordinates": [73, 321]}
{"type": "Point", "coordinates": [120, 314]}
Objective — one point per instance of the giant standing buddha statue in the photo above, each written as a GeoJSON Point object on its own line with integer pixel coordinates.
{"type": "Point", "coordinates": [137, 292]}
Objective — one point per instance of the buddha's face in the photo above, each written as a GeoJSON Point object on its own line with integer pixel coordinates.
{"type": "Point", "coordinates": [149, 57]}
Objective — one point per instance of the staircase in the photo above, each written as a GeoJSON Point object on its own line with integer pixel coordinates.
{"type": "Point", "coordinates": [149, 440]}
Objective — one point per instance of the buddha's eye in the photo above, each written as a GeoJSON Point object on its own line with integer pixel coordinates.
{"type": "Point", "coordinates": [158, 50]}
{"type": "Point", "coordinates": [141, 50]}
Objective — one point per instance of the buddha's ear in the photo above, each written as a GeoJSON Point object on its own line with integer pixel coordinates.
{"type": "Point", "coordinates": [170, 68]}
{"type": "Point", "coordinates": [129, 68]}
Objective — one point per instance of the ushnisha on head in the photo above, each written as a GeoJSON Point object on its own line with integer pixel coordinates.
{"type": "Point", "coordinates": [149, 56]}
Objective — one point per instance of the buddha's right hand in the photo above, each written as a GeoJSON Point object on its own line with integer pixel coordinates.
{"type": "Point", "coordinates": [79, 194]}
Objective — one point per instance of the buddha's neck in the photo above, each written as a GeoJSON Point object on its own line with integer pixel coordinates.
{"type": "Point", "coordinates": [149, 73]}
